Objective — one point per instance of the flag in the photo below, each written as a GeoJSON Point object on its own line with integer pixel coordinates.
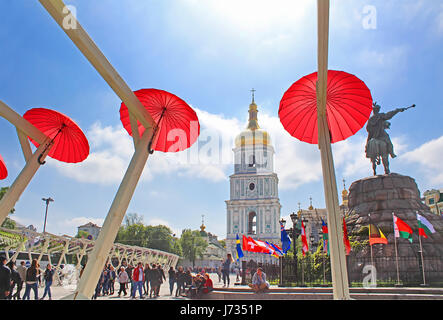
{"type": "Point", "coordinates": [239, 250]}
{"type": "Point", "coordinates": [285, 240]}
{"type": "Point", "coordinates": [255, 245]}
{"type": "Point", "coordinates": [324, 229]}
{"type": "Point", "coordinates": [303, 239]}
{"type": "Point", "coordinates": [245, 243]}
{"type": "Point", "coordinates": [402, 229]}
{"type": "Point", "coordinates": [278, 250]}
{"type": "Point", "coordinates": [275, 250]}
{"type": "Point", "coordinates": [263, 247]}
{"type": "Point", "coordinates": [425, 228]}
{"type": "Point", "coordinates": [346, 238]}
{"type": "Point", "coordinates": [376, 236]}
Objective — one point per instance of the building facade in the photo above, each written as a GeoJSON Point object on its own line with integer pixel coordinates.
{"type": "Point", "coordinates": [213, 256]}
{"type": "Point", "coordinates": [90, 228]}
{"type": "Point", "coordinates": [254, 207]}
{"type": "Point", "coordinates": [434, 200]}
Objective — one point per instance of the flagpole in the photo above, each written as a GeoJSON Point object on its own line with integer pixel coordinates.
{"type": "Point", "coordinates": [396, 253]}
{"type": "Point", "coordinates": [372, 258]}
{"type": "Point", "coordinates": [422, 261]}
{"type": "Point", "coordinates": [421, 253]}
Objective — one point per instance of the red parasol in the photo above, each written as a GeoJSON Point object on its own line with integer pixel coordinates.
{"type": "Point", "coordinates": [69, 142]}
{"type": "Point", "coordinates": [177, 123]}
{"type": "Point", "coordinates": [3, 170]}
{"type": "Point", "coordinates": [348, 107]}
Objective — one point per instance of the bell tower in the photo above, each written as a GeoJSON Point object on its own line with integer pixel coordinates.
{"type": "Point", "coordinates": [253, 209]}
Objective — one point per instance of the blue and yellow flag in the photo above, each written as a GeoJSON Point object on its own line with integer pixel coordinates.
{"type": "Point", "coordinates": [239, 250]}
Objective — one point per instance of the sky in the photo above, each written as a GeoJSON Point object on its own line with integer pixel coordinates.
{"type": "Point", "coordinates": [211, 54]}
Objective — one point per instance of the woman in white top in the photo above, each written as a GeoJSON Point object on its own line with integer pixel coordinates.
{"type": "Point", "coordinates": [123, 278]}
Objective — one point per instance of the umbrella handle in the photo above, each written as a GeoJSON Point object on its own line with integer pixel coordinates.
{"type": "Point", "coordinates": [39, 159]}
{"type": "Point", "coordinates": [151, 151]}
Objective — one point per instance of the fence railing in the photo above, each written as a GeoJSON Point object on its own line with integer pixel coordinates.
{"type": "Point", "coordinates": [316, 271]}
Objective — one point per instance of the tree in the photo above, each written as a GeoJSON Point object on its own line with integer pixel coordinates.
{"type": "Point", "coordinates": [82, 234]}
{"type": "Point", "coordinates": [133, 218]}
{"type": "Point", "coordinates": [193, 245]}
{"type": "Point", "coordinates": [135, 233]}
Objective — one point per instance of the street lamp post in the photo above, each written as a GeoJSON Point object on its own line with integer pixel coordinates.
{"type": "Point", "coordinates": [47, 200]}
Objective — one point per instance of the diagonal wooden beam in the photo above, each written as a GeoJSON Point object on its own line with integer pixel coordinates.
{"type": "Point", "coordinates": [21, 123]}
{"type": "Point", "coordinates": [58, 10]}
{"type": "Point", "coordinates": [24, 143]}
{"type": "Point", "coordinates": [337, 251]}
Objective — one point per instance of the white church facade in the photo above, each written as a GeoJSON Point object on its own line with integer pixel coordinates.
{"type": "Point", "coordinates": [254, 208]}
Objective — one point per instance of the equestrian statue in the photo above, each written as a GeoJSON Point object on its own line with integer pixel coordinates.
{"type": "Point", "coordinates": [379, 146]}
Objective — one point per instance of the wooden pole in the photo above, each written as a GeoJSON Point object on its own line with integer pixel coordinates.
{"type": "Point", "coordinates": [113, 220]}
{"type": "Point", "coordinates": [337, 250]}
{"type": "Point", "coordinates": [21, 182]}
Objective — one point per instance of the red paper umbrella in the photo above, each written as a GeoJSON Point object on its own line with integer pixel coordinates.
{"type": "Point", "coordinates": [3, 170]}
{"type": "Point", "coordinates": [69, 142]}
{"type": "Point", "coordinates": [177, 123]}
{"type": "Point", "coordinates": [348, 107]}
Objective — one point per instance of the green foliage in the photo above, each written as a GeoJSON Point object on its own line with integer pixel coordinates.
{"type": "Point", "coordinates": [82, 234]}
{"type": "Point", "coordinates": [10, 239]}
{"type": "Point", "coordinates": [3, 191]}
{"type": "Point", "coordinates": [8, 223]}
{"type": "Point", "coordinates": [135, 233]}
{"type": "Point", "coordinates": [192, 244]}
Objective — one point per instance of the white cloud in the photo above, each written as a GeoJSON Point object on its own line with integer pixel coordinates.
{"type": "Point", "coordinates": [428, 156]}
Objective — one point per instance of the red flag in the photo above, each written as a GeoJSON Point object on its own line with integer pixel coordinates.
{"type": "Point", "coordinates": [251, 245]}
{"type": "Point", "coordinates": [245, 243]}
{"type": "Point", "coordinates": [345, 238]}
{"type": "Point", "coordinates": [303, 239]}
{"type": "Point", "coordinates": [263, 246]}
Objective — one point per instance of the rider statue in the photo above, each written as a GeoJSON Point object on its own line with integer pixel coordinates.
{"type": "Point", "coordinates": [379, 145]}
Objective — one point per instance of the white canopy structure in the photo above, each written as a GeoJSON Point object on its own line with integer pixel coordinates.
{"type": "Point", "coordinates": [57, 248]}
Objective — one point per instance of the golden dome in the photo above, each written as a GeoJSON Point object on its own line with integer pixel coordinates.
{"type": "Point", "coordinates": [253, 135]}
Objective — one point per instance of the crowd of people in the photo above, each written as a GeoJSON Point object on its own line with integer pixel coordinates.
{"type": "Point", "coordinates": [144, 281]}
{"type": "Point", "coordinates": [13, 277]}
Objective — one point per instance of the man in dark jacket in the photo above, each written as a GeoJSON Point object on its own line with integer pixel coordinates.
{"type": "Point", "coordinates": [15, 280]}
{"type": "Point", "coordinates": [5, 278]}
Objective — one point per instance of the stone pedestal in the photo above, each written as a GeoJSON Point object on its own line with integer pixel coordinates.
{"type": "Point", "coordinates": [382, 195]}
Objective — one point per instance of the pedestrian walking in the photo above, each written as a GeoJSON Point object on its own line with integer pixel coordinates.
{"type": "Point", "coordinates": [180, 279]}
{"type": "Point", "coordinates": [123, 280]}
{"type": "Point", "coordinates": [105, 282]}
{"type": "Point", "coordinates": [147, 272]}
{"type": "Point", "coordinates": [112, 277]}
{"type": "Point", "coordinates": [21, 269]}
{"type": "Point", "coordinates": [154, 280]}
{"type": "Point", "coordinates": [129, 270]}
{"type": "Point", "coordinates": [172, 279]}
{"type": "Point", "coordinates": [5, 279]}
{"type": "Point", "coordinates": [139, 279]}
{"type": "Point", "coordinates": [15, 278]}
{"type": "Point", "coordinates": [32, 279]}
{"type": "Point", "coordinates": [48, 277]}
{"type": "Point", "coordinates": [161, 278]}
{"type": "Point", "coordinates": [226, 269]}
